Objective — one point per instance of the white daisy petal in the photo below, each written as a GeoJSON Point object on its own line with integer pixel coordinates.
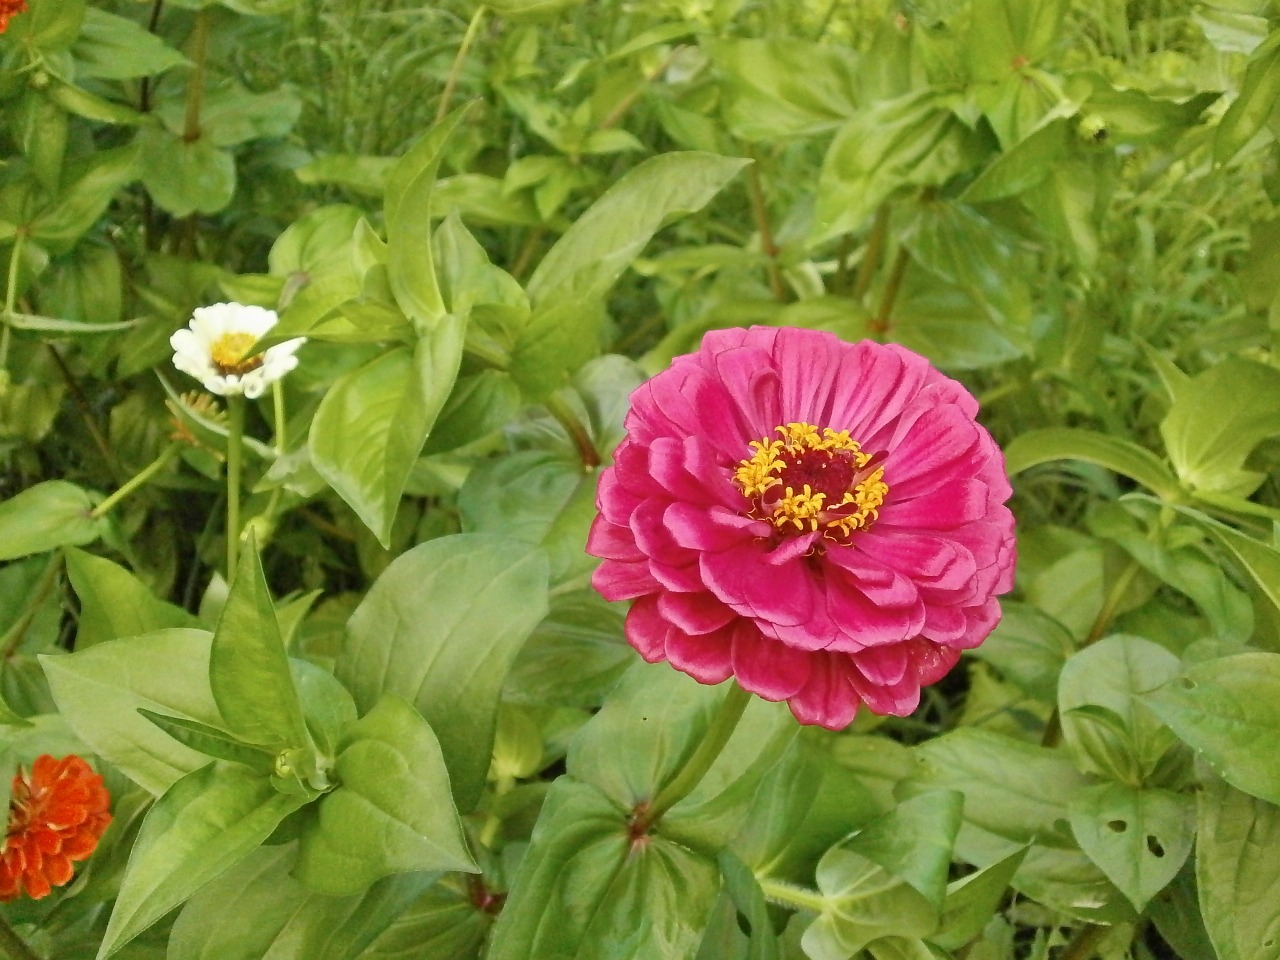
{"type": "Point", "coordinates": [219, 336]}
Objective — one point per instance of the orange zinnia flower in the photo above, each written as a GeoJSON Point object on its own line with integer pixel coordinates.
{"type": "Point", "coordinates": [10, 8]}
{"type": "Point", "coordinates": [56, 817]}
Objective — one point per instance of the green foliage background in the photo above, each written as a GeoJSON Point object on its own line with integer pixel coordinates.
{"type": "Point", "coordinates": [410, 729]}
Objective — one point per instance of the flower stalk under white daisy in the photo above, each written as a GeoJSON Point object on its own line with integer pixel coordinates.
{"type": "Point", "coordinates": [235, 438]}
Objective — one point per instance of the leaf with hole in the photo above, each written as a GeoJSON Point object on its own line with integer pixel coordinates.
{"type": "Point", "coordinates": [1139, 836]}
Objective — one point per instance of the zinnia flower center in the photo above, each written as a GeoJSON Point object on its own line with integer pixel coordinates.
{"type": "Point", "coordinates": [810, 480]}
{"type": "Point", "coordinates": [228, 353]}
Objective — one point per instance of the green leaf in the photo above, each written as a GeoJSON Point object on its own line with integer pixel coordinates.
{"type": "Point", "coordinates": [583, 883]}
{"type": "Point", "coordinates": [1023, 165]}
{"type": "Point", "coordinates": [1209, 433]}
{"type": "Point", "coordinates": [213, 742]}
{"type": "Point", "coordinates": [782, 87]}
{"type": "Point", "coordinates": [574, 657]}
{"type": "Point", "coordinates": [1006, 31]}
{"type": "Point", "coordinates": [1029, 648]}
{"type": "Point", "coordinates": [1112, 674]}
{"type": "Point", "coordinates": [910, 141]}
{"type": "Point", "coordinates": [392, 812]}
{"type": "Point", "coordinates": [185, 176]}
{"type": "Point", "coordinates": [540, 498]}
{"type": "Point", "coordinates": [99, 691]}
{"type": "Point", "coordinates": [1255, 103]}
{"type": "Point", "coordinates": [48, 26]}
{"type": "Point", "coordinates": [441, 627]}
{"type": "Point", "coordinates": [49, 515]}
{"type": "Point", "coordinates": [114, 603]}
{"type": "Point", "coordinates": [1115, 453]}
{"type": "Point", "coordinates": [650, 726]}
{"type": "Point", "coordinates": [204, 824]}
{"type": "Point", "coordinates": [972, 900]}
{"type": "Point", "coordinates": [752, 911]}
{"type": "Point", "coordinates": [372, 424]}
{"type": "Point", "coordinates": [1140, 837]}
{"type": "Point", "coordinates": [1238, 872]}
{"type": "Point", "coordinates": [259, 911]}
{"type": "Point", "coordinates": [588, 259]}
{"type": "Point", "coordinates": [1014, 791]}
{"type": "Point", "coordinates": [1228, 709]}
{"type": "Point", "coordinates": [888, 879]}
{"type": "Point", "coordinates": [114, 48]}
{"type": "Point", "coordinates": [407, 211]}
{"type": "Point", "coordinates": [231, 115]}
{"type": "Point", "coordinates": [443, 924]}
{"type": "Point", "coordinates": [1259, 560]}
{"type": "Point", "coordinates": [569, 283]}
{"type": "Point", "coordinates": [248, 668]}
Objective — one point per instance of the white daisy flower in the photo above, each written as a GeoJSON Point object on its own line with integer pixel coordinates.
{"type": "Point", "coordinates": [213, 349]}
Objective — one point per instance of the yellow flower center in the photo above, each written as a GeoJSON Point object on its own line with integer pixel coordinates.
{"type": "Point", "coordinates": [228, 353]}
{"type": "Point", "coordinates": [810, 480]}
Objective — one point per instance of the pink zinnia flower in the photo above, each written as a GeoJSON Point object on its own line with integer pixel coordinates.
{"type": "Point", "coordinates": [824, 521]}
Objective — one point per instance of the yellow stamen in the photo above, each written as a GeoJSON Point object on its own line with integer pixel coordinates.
{"type": "Point", "coordinates": [228, 353]}
{"type": "Point", "coordinates": [808, 509]}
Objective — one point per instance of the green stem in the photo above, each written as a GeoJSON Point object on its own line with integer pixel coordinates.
{"type": "Point", "coordinates": [1085, 943]}
{"type": "Point", "coordinates": [235, 436]}
{"type": "Point", "coordinates": [884, 315]}
{"type": "Point", "coordinates": [576, 429]}
{"type": "Point", "coordinates": [278, 412]}
{"type": "Point", "coordinates": [10, 296]}
{"type": "Point", "coordinates": [871, 256]}
{"type": "Point", "coordinates": [695, 768]}
{"type": "Point", "coordinates": [455, 71]}
{"type": "Point", "coordinates": [493, 822]}
{"type": "Point", "coordinates": [13, 945]}
{"type": "Point", "coordinates": [138, 480]}
{"type": "Point", "coordinates": [788, 895]}
{"type": "Point", "coordinates": [755, 187]}
{"type": "Point", "coordinates": [195, 85]}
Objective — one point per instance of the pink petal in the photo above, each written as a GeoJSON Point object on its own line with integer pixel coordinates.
{"type": "Point", "coordinates": [776, 594]}
{"type": "Point", "coordinates": [610, 541]}
{"type": "Point", "coordinates": [618, 580]}
{"type": "Point", "coordinates": [695, 612]}
{"type": "Point", "coordinates": [930, 661]}
{"type": "Point", "coordinates": [827, 699]}
{"type": "Point", "coordinates": [704, 656]}
{"type": "Point", "coordinates": [766, 667]}
{"type": "Point", "coordinates": [646, 630]}
{"type": "Point", "coordinates": [715, 529]}
{"type": "Point", "coordinates": [883, 666]}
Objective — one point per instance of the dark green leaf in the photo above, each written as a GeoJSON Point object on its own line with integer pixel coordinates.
{"type": "Point", "coordinates": [392, 812]}
{"type": "Point", "coordinates": [114, 603]}
{"type": "Point", "coordinates": [213, 742]}
{"type": "Point", "coordinates": [373, 422]}
{"type": "Point", "coordinates": [1238, 872]}
{"type": "Point", "coordinates": [1115, 453]}
{"type": "Point", "coordinates": [1228, 709]}
{"type": "Point", "coordinates": [49, 515]}
{"type": "Point", "coordinates": [584, 884]}
{"type": "Point", "coordinates": [441, 627]}
{"type": "Point", "coordinates": [1255, 103]}
{"type": "Point", "coordinates": [114, 48]}
{"type": "Point", "coordinates": [258, 911]}
{"type": "Point", "coordinates": [204, 824]}
{"type": "Point", "coordinates": [100, 690]}
{"type": "Point", "coordinates": [248, 668]}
